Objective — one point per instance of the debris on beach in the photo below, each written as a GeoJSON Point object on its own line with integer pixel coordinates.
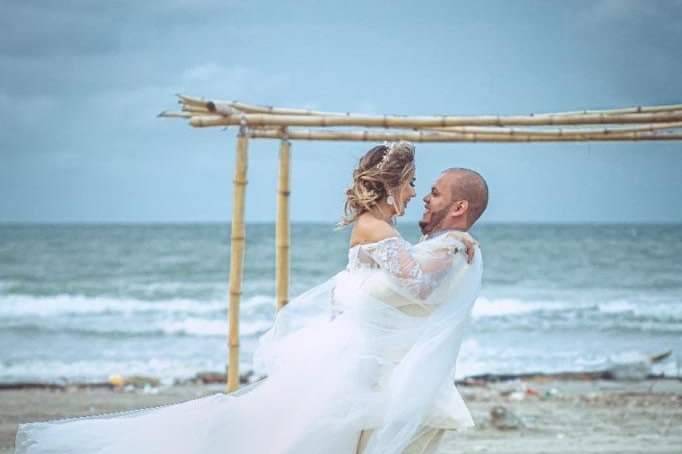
{"type": "Point", "coordinates": [211, 377]}
{"type": "Point", "coordinates": [625, 367]}
{"type": "Point", "coordinates": [502, 418]}
{"type": "Point", "coordinates": [633, 366]}
{"type": "Point", "coordinates": [516, 390]}
{"type": "Point", "coordinates": [119, 381]}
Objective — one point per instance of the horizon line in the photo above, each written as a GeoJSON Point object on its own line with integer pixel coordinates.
{"type": "Point", "coordinates": [320, 222]}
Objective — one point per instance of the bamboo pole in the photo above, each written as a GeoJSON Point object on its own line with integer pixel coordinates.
{"type": "Point", "coordinates": [237, 241]}
{"type": "Point", "coordinates": [184, 99]}
{"type": "Point", "coordinates": [255, 108]}
{"type": "Point", "coordinates": [170, 114]}
{"type": "Point", "coordinates": [387, 121]}
{"type": "Point", "coordinates": [427, 136]}
{"type": "Point", "coordinates": [651, 127]}
{"type": "Point", "coordinates": [550, 132]}
{"type": "Point", "coordinates": [282, 229]}
{"type": "Point", "coordinates": [195, 109]}
{"type": "Point", "coordinates": [624, 110]}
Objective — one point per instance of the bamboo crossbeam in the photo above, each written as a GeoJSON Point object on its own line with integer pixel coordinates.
{"type": "Point", "coordinates": [625, 110]}
{"type": "Point", "coordinates": [282, 228]}
{"type": "Point", "coordinates": [427, 136]}
{"type": "Point", "coordinates": [504, 130]}
{"type": "Point", "coordinates": [387, 121]}
{"type": "Point", "coordinates": [544, 132]}
{"type": "Point", "coordinates": [237, 246]}
{"type": "Point", "coordinates": [255, 108]}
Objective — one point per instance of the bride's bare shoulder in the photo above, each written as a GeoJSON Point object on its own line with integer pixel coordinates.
{"type": "Point", "coordinates": [369, 229]}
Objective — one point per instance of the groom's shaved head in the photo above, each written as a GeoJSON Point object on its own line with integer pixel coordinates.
{"type": "Point", "coordinates": [467, 184]}
{"type": "Point", "coordinates": [457, 199]}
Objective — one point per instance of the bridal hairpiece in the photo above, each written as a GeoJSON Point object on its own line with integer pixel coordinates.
{"type": "Point", "coordinates": [394, 148]}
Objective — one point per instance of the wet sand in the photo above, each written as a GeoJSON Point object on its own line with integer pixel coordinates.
{"type": "Point", "coordinates": [542, 416]}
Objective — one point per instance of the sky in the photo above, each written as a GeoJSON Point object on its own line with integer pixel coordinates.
{"type": "Point", "coordinates": [81, 83]}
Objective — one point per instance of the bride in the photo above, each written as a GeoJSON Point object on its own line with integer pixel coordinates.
{"type": "Point", "coordinates": [363, 363]}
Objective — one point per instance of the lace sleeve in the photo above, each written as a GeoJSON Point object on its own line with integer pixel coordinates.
{"type": "Point", "coordinates": [419, 278]}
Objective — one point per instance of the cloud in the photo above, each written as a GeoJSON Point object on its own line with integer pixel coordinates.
{"type": "Point", "coordinates": [635, 12]}
{"type": "Point", "coordinates": [623, 9]}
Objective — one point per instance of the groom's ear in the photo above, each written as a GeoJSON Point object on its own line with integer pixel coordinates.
{"type": "Point", "coordinates": [459, 208]}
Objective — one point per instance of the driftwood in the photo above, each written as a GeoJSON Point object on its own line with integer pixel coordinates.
{"type": "Point", "coordinates": [606, 374]}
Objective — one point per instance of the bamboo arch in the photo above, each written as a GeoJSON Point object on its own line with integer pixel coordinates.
{"type": "Point", "coordinates": [640, 123]}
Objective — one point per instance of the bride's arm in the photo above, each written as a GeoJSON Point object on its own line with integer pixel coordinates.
{"type": "Point", "coordinates": [419, 277]}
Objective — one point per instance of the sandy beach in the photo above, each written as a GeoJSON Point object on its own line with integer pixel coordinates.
{"type": "Point", "coordinates": [590, 416]}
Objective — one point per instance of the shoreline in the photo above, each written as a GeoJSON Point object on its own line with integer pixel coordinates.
{"type": "Point", "coordinates": [249, 377]}
{"type": "Point", "coordinates": [537, 414]}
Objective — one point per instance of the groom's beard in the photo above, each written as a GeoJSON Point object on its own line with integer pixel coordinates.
{"type": "Point", "coordinates": [431, 221]}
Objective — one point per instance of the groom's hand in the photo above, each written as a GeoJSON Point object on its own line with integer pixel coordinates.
{"type": "Point", "coordinates": [470, 249]}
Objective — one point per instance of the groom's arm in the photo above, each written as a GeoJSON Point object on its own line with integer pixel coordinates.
{"type": "Point", "coordinates": [454, 242]}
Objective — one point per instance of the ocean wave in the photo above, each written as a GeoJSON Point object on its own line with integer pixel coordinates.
{"type": "Point", "coordinates": [648, 311]}
{"type": "Point", "coordinates": [65, 304]}
{"type": "Point", "coordinates": [644, 311]}
{"type": "Point", "coordinates": [200, 327]}
{"type": "Point", "coordinates": [499, 307]}
{"type": "Point", "coordinates": [131, 328]}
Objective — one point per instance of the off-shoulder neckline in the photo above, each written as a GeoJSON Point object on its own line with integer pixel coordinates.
{"type": "Point", "coordinates": [374, 243]}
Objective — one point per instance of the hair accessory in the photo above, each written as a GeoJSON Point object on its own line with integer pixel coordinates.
{"type": "Point", "coordinates": [392, 149]}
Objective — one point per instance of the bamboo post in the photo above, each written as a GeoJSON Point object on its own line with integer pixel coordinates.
{"type": "Point", "coordinates": [282, 228]}
{"type": "Point", "coordinates": [237, 241]}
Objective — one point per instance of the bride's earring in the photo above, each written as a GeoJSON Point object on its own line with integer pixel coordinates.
{"type": "Point", "coordinates": [391, 201]}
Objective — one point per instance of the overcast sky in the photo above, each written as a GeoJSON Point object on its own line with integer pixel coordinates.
{"type": "Point", "coordinates": [81, 83]}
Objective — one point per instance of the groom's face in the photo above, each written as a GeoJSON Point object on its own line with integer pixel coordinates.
{"type": "Point", "coordinates": [436, 205]}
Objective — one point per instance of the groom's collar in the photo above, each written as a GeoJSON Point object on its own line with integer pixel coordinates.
{"type": "Point", "coordinates": [436, 234]}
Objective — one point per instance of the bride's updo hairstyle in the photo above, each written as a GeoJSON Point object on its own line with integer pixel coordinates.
{"type": "Point", "coordinates": [380, 171]}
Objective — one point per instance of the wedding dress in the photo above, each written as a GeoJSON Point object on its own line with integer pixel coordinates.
{"type": "Point", "coordinates": [381, 356]}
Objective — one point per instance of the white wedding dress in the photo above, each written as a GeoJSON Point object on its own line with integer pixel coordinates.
{"type": "Point", "coordinates": [381, 356]}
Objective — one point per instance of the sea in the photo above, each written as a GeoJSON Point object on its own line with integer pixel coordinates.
{"type": "Point", "coordinates": [79, 303]}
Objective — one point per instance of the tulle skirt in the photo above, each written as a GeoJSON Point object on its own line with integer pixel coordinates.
{"type": "Point", "coordinates": [317, 400]}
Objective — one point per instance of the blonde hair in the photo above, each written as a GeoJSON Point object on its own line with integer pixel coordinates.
{"type": "Point", "coordinates": [382, 169]}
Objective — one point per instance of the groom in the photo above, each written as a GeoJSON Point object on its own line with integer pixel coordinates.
{"type": "Point", "coordinates": [456, 200]}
